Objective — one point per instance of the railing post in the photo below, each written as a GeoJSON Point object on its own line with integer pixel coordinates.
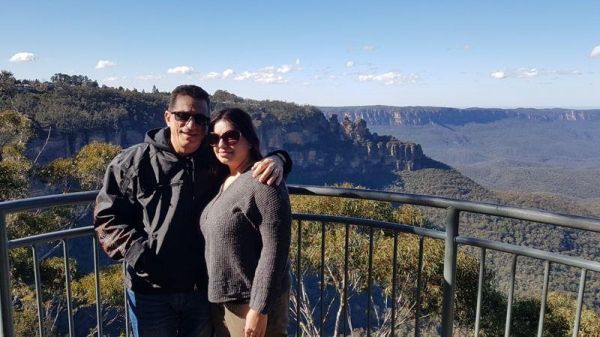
{"type": "Point", "coordinates": [5, 298]}
{"type": "Point", "coordinates": [450, 254]}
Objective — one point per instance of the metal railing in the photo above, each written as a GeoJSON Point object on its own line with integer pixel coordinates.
{"type": "Point", "coordinates": [450, 237]}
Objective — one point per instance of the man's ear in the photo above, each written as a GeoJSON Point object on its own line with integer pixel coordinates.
{"type": "Point", "coordinates": [167, 117]}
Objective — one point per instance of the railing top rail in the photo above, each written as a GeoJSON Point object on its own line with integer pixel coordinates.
{"type": "Point", "coordinates": [51, 236]}
{"type": "Point", "coordinates": [431, 233]}
{"type": "Point", "coordinates": [47, 201]}
{"type": "Point", "coordinates": [570, 221]}
{"type": "Point", "coordinates": [574, 261]}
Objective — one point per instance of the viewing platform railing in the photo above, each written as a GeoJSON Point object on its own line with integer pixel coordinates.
{"type": "Point", "coordinates": [450, 236]}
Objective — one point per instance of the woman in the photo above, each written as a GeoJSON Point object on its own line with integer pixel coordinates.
{"type": "Point", "coordinates": [247, 232]}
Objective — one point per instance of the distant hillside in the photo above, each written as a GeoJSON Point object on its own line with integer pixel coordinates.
{"type": "Point", "coordinates": [382, 115]}
{"type": "Point", "coordinates": [71, 111]}
{"type": "Point", "coordinates": [451, 183]}
{"type": "Point", "coordinates": [556, 157]}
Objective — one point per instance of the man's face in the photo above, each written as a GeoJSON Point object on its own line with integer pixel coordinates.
{"type": "Point", "coordinates": [187, 134]}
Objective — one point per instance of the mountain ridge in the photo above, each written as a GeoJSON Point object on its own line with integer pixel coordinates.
{"type": "Point", "coordinates": [424, 115]}
{"type": "Point", "coordinates": [71, 111]}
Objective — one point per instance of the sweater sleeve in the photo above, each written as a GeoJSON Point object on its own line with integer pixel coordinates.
{"type": "Point", "coordinates": [273, 219]}
{"type": "Point", "coordinates": [285, 158]}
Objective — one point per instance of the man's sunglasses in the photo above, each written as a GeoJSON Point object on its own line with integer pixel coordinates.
{"type": "Point", "coordinates": [200, 119]}
{"type": "Point", "coordinates": [230, 137]}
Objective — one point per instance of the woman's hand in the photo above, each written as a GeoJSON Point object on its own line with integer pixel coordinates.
{"type": "Point", "coordinates": [256, 324]}
{"type": "Point", "coordinates": [269, 170]}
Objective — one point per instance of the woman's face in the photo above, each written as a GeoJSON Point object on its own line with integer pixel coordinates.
{"type": "Point", "coordinates": [229, 152]}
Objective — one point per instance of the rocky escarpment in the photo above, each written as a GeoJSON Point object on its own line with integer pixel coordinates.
{"type": "Point", "coordinates": [401, 155]}
{"type": "Point", "coordinates": [347, 152]}
{"type": "Point", "coordinates": [397, 116]}
{"type": "Point", "coordinates": [324, 150]}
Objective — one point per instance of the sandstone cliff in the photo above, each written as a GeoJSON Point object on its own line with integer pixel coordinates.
{"type": "Point", "coordinates": [324, 150]}
{"type": "Point", "coordinates": [397, 116]}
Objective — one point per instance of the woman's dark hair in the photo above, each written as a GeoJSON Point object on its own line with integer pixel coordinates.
{"type": "Point", "coordinates": [242, 121]}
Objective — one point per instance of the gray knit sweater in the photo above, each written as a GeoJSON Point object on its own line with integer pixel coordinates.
{"type": "Point", "coordinates": [247, 232]}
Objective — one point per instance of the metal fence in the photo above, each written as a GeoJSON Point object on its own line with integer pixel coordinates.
{"type": "Point", "coordinates": [450, 236]}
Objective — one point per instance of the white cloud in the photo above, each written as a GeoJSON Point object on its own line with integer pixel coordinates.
{"type": "Point", "coordinates": [349, 64]}
{"type": "Point", "coordinates": [22, 57]}
{"type": "Point", "coordinates": [105, 64]}
{"type": "Point", "coordinates": [212, 75]}
{"type": "Point", "coordinates": [266, 75]}
{"type": "Point", "coordinates": [219, 76]}
{"type": "Point", "coordinates": [270, 78]}
{"type": "Point", "coordinates": [227, 72]}
{"type": "Point", "coordinates": [368, 48]}
{"type": "Point", "coordinates": [389, 78]}
{"type": "Point", "coordinates": [498, 75]}
{"type": "Point", "coordinates": [244, 76]}
{"type": "Point", "coordinates": [269, 74]}
{"type": "Point", "coordinates": [565, 72]}
{"type": "Point", "coordinates": [288, 68]}
{"type": "Point", "coordinates": [528, 73]}
{"type": "Point", "coordinates": [113, 79]}
{"type": "Point", "coordinates": [467, 47]}
{"type": "Point", "coordinates": [595, 52]}
{"type": "Point", "coordinates": [180, 70]}
{"type": "Point", "coordinates": [149, 77]}
{"type": "Point", "coordinates": [284, 69]}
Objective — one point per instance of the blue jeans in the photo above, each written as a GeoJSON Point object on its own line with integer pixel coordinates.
{"type": "Point", "coordinates": [169, 315]}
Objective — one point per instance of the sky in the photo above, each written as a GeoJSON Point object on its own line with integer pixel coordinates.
{"type": "Point", "coordinates": [327, 53]}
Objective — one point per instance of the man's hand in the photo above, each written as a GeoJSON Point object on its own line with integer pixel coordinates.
{"type": "Point", "coordinates": [256, 324]}
{"type": "Point", "coordinates": [269, 170]}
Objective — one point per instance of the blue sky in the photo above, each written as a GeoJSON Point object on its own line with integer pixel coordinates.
{"type": "Point", "coordinates": [442, 53]}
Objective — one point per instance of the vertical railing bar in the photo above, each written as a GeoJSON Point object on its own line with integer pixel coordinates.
{"type": "Point", "coordinates": [97, 284]}
{"type": "Point", "coordinates": [298, 278]}
{"type": "Point", "coordinates": [544, 298]}
{"type": "Point", "coordinates": [394, 281]}
{"type": "Point", "coordinates": [480, 291]}
{"type": "Point", "coordinates": [450, 253]}
{"type": "Point", "coordinates": [6, 307]}
{"type": "Point", "coordinates": [511, 293]}
{"type": "Point", "coordinates": [68, 287]}
{"type": "Point", "coordinates": [322, 311]}
{"type": "Point", "coordinates": [38, 289]}
{"type": "Point", "coordinates": [419, 286]}
{"type": "Point", "coordinates": [579, 302]}
{"type": "Point", "coordinates": [345, 292]}
{"type": "Point", "coordinates": [127, 325]}
{"type": "Point", "coordinates": [369, 282]}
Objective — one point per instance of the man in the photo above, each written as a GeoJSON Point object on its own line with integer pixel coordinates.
{"type": "Point", "coordinates": [147, 215]}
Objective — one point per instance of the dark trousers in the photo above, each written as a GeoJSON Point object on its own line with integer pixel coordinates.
{"type": "Point", "coordinates": [170, 315]}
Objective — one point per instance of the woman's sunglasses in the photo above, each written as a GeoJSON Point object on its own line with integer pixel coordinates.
{"type": "Point", "coordinates": [230, 137]}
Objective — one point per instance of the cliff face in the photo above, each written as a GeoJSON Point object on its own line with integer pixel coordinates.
{"type": "Point", "coordinates": [324, 150]}
{"type": "Point", "coordinates": [347, 152]}
{"type": "Point", "coordinates": [397, 116]}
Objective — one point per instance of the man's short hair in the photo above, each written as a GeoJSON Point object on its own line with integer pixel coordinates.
{"type": "Point", "coordinates": [191, 90]}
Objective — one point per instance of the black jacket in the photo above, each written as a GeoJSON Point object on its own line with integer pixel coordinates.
{"type": "Point", "coordinates": [147, 214]}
